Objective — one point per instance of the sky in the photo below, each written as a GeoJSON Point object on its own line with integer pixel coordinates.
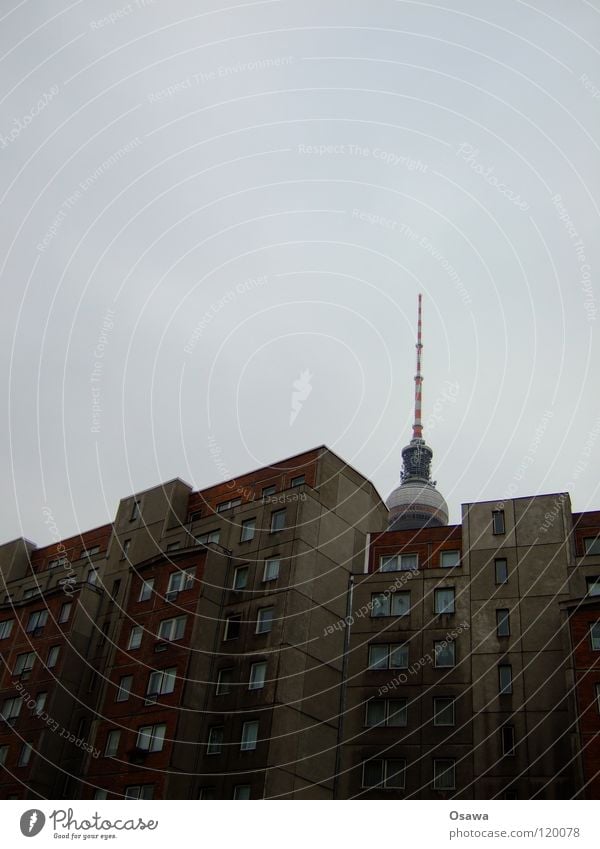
{"type": "Point", "coordinates": [210, 209]}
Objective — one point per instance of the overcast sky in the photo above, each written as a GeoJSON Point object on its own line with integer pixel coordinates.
{"type": "Point", "coordinates": [208, 207]}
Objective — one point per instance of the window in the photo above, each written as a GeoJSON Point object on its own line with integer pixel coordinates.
{"type": "Point", "coordinates": [501, 569]}
{"type": "Point", "coordinates": [268, 491]}
{"type": "Point", "coordinates": [11, 708]}
{"type": "Point", "coordinates": [135, 637]}
{"type": "Point", "coordinates": [503, 622]}
{"type": "Point", "coordinates": [592, 545]}
{"type": "Point", "coordinates": [391, 712]}
{"type": "Point", "coordinates": [150, 738]}
{"type": "Point", "coordinates": [271, 572]}
{"type": "Point", "coordinates": [299, 480]}
{"type": "Point", "coordinates": [392, 656]}
{"type": "Point", "coordinates": [241, 791]}
{"type": "Point", "coordinates": [249, 736]}
{"type": "Point", "coordinates": [210, 536]}
{"type": "Point", "coordinates": [593, 585]}
{"type": "Point", "coordinates": [115, 588]}
{"type": "Point", "coordinates": [172, 629]}
{"type": "Point", "coordinates": [89, 552]}
{"type": "Point", "coordinates": [390, 773]}
{"type": "Point", "coordinates": [444, 774]}
{"type": "Point", "coordinates": [498, 521]}
{"type": "Point", "coordinates": [24, 663]}
{"type": "Point", "coordinates": [232, 627]}
{"type": "Point", "coordinates": [60, 561]}
{"type": "Point", "coordinates": [3, 754]}
{"type": "Point", "coordinates": [65, 612]}
{"type": "Point", "coordinates": [124, 689]}
{"type": "Point", "coordinates": [508, 740]}
{"type": "Point", "coordinates": [224, 680]}
{"type": "Point", "coordinates": [248, 529]}
{"type": "Point", "coordinates": [173, 546]}
{"type": "Point", "coordinates": [444, 653]}
{"type": "Point", "coordinates": [135, 510]}
{"type": "Point", "coordinates": [146, 590]}
{"type": "Point", "coordinates": [101, 794]}
{"type": "Point", "coordinates": [258, 672]}
{"type": "Point", "coordinates": [180, 581]}
{"type": "Point", "coordinates": [6, 628]}
{"type": "Point", "coordinates": [53, 657]}
{"type": "Point", "coordinates": [505, 679]}
{"type": "Point", "coordinates": [396, 604]}
{"type": "Point", "coordinates": [36, 622]}
{"type": "Point", "coordinates": [444, 600]}
{"type": "Point", "coordinates": [112, 744]}
{"type": "Point", "coordinates": [215, 740]}
{"type": "Point", "coordinates": [598, 697]}
{"type": "Point", "coordinates": [448, 559]}
{"type": "Point", "coordinates": [277, 520]}
{"type": "Point", "coordinates": [398, 563]}
{"type": "Point", "coordinates": [31, 592]}
{"type": "Point", "coordinates": [92, 577]}
{"type": "Point", "coordinates": [443, 711]}
{"type": "Point", "coordinates": [595, 636]}
{"type": "Point", "coordinates": [207, 793]}
{"type": "Point", "coordinates": [125, 548]}
{"type": "Point", "coordinates": [161, 682]}
{"type": "Point", "coordinates": [264, 621]}
{"type": "Point", "coordinates": [40, 703]}
{"type": "Point", "coordinates": [240, 578]}
{"type": "Point", "coordinates": [139, 791]}
{"type": "Point", "coordinates": [25, 755]}
{"type": "Point", "coordinates": [227, 505]}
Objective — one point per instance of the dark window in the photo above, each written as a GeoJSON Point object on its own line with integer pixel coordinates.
{"type": "Point", "coordinates": [592, 545]}
{"type": "Point", "coordinates": [135, 510]}
{"type": "Point", "coordinates": [498, 521]}
{"type": "Point", "coordinates": [443, 711]}
{"type": "Point", "coordinates": [505, 679]}
{"type": "Point", "coordinates": [232, 627]}
{"type": "Point", "coordinates": [503, 622]}
{"type": "Point", "coordinates": [444, 774]}
{"type": "Point", "coordinates": [501, 569]}
{"type": "Point", "coordinates": [508, 740]}
{"type": "Point", "coordinates": [297, 481]}
{"type": "Point", "coordinates": [593, 585]}
{"type": "Point", "coordinates": [444, 653]}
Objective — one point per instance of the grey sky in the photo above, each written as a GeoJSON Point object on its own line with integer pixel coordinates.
{"type": "Point", "coordinates": [259, 190]}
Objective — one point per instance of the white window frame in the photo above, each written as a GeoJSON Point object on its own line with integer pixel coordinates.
{"type": "Point", "coordinates": [6, 628]}
{"type": "Point", "coordinates": [151, 738]}
{"type": "Point", "coordinates": [208, 537]}
{"type": "Point", "coordinates": [53, 655]}
{"type": "Point", "coordinates": [139, 791]}
{"type": "Point", "coordinates": [146, 590]}
{"type": "Point", "coordinates": [388, 604]}
{"type": "Point", "coordinates": [262, 619]}
{"type": "Point", "coordinates": [164, 682]}
{"type": "Point", "coordinates": [276, 525]}
{"type": "Point", "coordinates": [442, 609]}
{"type": "Point", "coordinates": [446, 555]}
{"type": "Point", "coordinates": [267, 576]}
{"type": "Point", "coordinates": [113, 738]}
{"type": "Point", "coordinates": [237, 620]}
{"type": "Point", "coordinates": [249, 739]}
{"type": "Point", "coordinates": [256, 681]}
{"type": "Point", "coordinates": [173, 629]}
{"type": "Point", "coordinates": [124, 688]}
{"type": "Point", "coordinates": [135, 637]}
{"type": "Point", "coordinates": [248, 529]}
{"type": "Point", "coordinates": [227, 505]}
{"type": "Point", "coordinates": [215, 747]}
{"type": "Point", "coordinates": [406, 562]}
{"type": "Point", "coordinates": [240, 570]}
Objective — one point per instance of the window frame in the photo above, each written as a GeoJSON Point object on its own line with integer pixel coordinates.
{"type": "Point", "coordinates": [236, 619]}
{"type": "Point", "coordinates": [6, 626]}
{"type": "Point", "coordinates": [387, 713]}
{"type": "Point", "coordinates": [266, 577]}
{"type": "Point", "coordinates": [590, 543]}
{"type": "Point", "coordinates": [260, 619]}
{"type": "Point", "coordinates": [437, 711]}
{"type": "Point", "coordinates": [437, 593]}
{"type": "Point", "coordinates": [391, 650]}
{"type": "Point", "coordinates": [505, 689]}
{"type": "Point", "coordinates": [298, 480]}
{"type": "Point", "coordinates": [498, 522]}
{"type": "Point", "coordinates": [508, 751]}
{"type": "Point", "coordinates": [113, 739]}
{"type": "Point", "coordinates": [215, 747]}
{"type": "Point", "coordinates": [65, 612]}
{"type": "Point", "coordinates": [274, 526]}
{"type": "Point", "coordinates": [399, 558]}
{"type": "Point", "coordinates": [124, 690]}
{"type": "Point", "coordinates": [240, 570]}
{"type": "Point", "coordinates": [136, 634]}
{"type": "Point", "coordinates": [249, 743]}
{"type": "Point", "coordinates": [20, 668]}
{"type": "Point", "coordinates": [155, 733]}
{"type": "Point", "coordinates": [166, 677]}
{"type": "Point", "coordinates": [220, 684]}
{"type": "Point", "coordinates": [500, 563]}
{"type": "Point", "coordinates": [25, 755]}
{"type": "Point", "coordinates": [502, 622]}
{"type": "Point", "coordinates": [174, 626]}
{"type": "Point", "coordinates": [252, 677]}
{"type": "Point", "coordinates": [52, 657]}
{"type": "Point", "coordinates": [446, 552]}
{"type": "Point", "coordinates": [438, 773]}
{"type": "Point", "coordinates": [592, 581]}
{"type": "Point", "coordinates": [146, 590]}
{"type": "Point", "coordinates": [245, 525]}
{"type": "Point", "coordinates": [447, 644]}
{"type": "Point", "coordinates": [36, 621]}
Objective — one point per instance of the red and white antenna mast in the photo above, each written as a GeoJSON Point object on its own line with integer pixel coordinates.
{"type": "Point", "coordinates": [418, 425]}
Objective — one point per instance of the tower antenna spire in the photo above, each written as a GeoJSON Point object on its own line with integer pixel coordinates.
{"type": "Point", "coordinates": [418, 425]}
